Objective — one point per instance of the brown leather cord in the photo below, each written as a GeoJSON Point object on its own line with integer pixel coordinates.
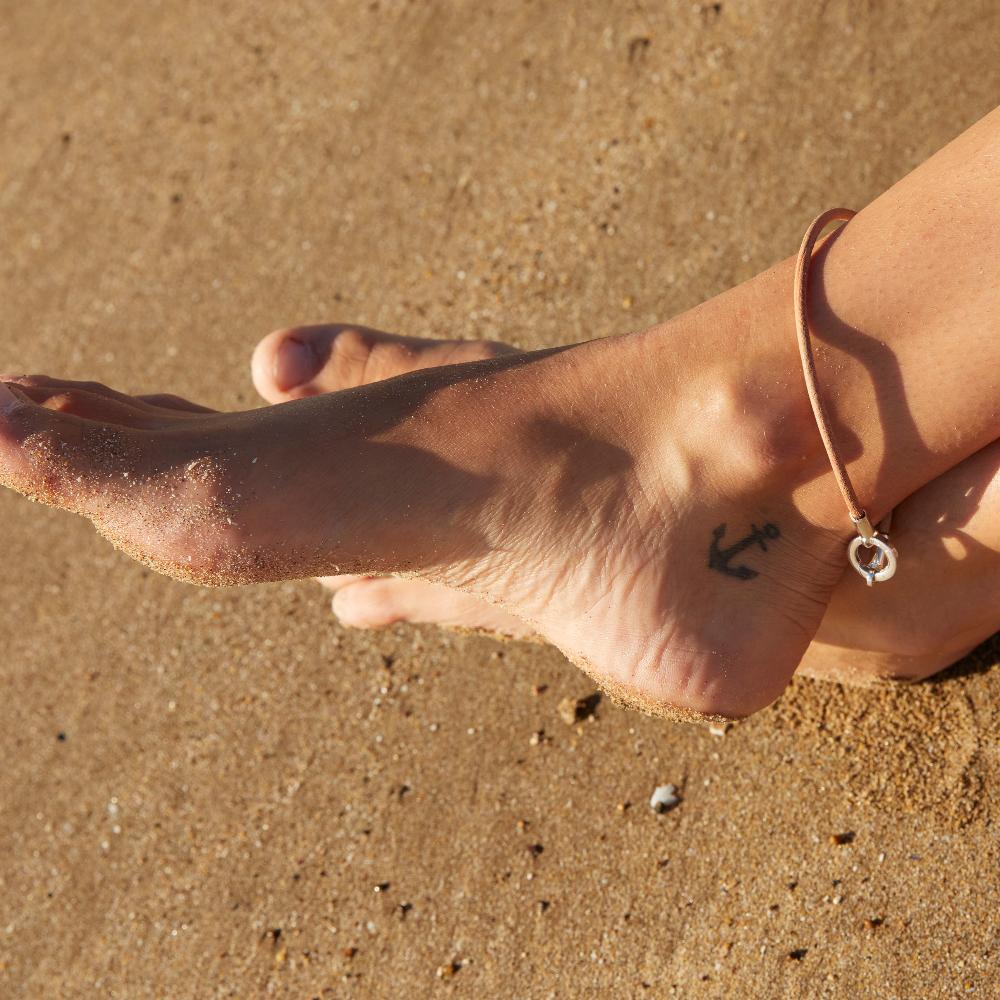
{"type": "Point", "coordinates": [801, 288]}
{"type": "Point", "coordinates": [883, 565]}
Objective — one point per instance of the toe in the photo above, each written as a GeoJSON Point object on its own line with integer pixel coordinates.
{"type": "Point", "coordinates": [94, 401]}
{"type": "Point", "coordinates": [301, 361]}
{"type": "Point", "coordinates": [310, 360]}
{"type": "Point", "coordinates": [369, 602]}
{"type": "Point", "coordinates": [50, 454]}
{"type": "Point", "coordinates": [87, 404]}
{"type": "Point", "coordinates": [164, 498]}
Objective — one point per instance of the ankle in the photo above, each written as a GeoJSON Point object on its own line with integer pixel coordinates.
{"type": "Point", "coordinates": [732, 387]}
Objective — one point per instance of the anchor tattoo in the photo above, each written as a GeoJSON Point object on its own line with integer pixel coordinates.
{"type": "Point", "coordinates": [720, 558]}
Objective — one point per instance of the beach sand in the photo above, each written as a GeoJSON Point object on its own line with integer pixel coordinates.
{"type": "Point", "coordinates": [224, 793]}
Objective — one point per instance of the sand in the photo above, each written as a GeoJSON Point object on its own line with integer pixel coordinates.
{"type": "Point", "coordinates": [203, 790]}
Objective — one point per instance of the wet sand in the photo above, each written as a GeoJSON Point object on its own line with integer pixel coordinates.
{"type": "Point", "coordinates": [223, 793]}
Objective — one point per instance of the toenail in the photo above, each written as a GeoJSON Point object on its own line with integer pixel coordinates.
{"type": "Point", "coordinates": [295, 362]}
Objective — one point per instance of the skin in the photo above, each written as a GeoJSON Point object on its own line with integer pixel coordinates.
{"type": "Point", "coordinates": [942, 606]}
{"type": "Point", "coordinates": [580, 489]}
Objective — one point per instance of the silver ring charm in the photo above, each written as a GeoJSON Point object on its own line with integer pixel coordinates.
{"type": "Point", "coordinates": [881, 566]}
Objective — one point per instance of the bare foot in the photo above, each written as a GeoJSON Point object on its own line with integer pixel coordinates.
{"type": "Point", "coordinates": [933, 614]}
{"type": "Point", "coordinates": [307, 361]}
{"type": "Point", "coordinates": [631, 499]}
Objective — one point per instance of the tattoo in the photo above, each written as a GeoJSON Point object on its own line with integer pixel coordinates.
{"type": "Point", "coordinates": [720, 558]}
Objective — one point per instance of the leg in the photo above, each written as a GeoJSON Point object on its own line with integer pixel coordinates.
{"type": "Point", "coordinates": [943, 606]}
{"type": "Point", "coordinates": [657, 505]}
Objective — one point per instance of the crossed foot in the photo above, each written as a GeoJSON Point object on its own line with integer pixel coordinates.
{"type": "Point", "coordinates": [634, 500]}
{"type": "Point", "coordinates": [931, 616]}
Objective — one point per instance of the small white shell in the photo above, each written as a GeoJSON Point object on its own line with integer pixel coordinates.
{"type": "Point", "coordinates": [664, 798]}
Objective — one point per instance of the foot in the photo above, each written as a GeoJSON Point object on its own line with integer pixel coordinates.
{"type": "Point", "coordinates": [308, 361]}
{"type": "Point", "coordinates": [632, 500]}
{"type": "Point", "coordinates": [927, 619]}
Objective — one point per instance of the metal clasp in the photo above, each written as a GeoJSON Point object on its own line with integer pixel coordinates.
{"type": "Point", "coordinates": [881, 564]}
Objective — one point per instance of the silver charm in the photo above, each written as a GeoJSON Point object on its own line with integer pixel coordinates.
{"type": "Point", "coordinates": [878, 566]}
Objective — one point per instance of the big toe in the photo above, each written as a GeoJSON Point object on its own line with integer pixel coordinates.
{"type": "Point", "coordinates": [366, 602]}
{"type": "Point", "coordinates": [311, 360]}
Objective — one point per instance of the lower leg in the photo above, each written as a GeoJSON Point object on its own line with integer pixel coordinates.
{"type": "Point", "coordinates": [944, 605]}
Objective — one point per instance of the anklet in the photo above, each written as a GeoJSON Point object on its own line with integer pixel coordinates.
{"type": "Point", "coordinates": [879, 565]}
